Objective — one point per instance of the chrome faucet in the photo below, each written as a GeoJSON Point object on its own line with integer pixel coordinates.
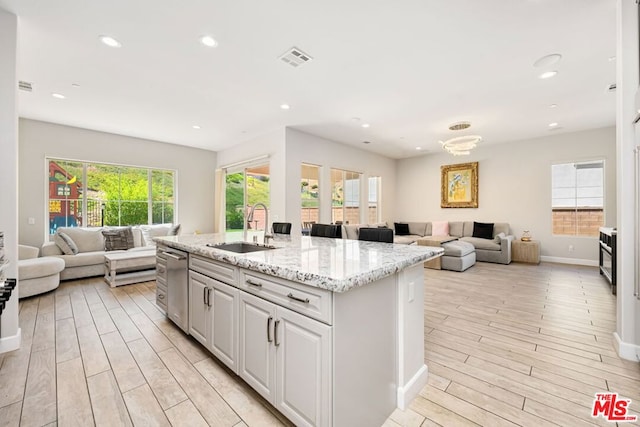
{"type": "Point", "coordinates": [267, 236]}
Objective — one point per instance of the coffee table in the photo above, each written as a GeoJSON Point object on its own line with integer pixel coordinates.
{"type": "Point", "coordinates": [436, 241]}
{"type": "Point", "coordinates": [124, 268]}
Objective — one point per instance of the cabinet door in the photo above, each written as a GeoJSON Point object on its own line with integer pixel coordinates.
{"type": "Point", "coordinates": [257, 353]}
{"type": "Point", "coordinates": [303, 384]}
{"type": "Point", "coordinates": [224, 344]}
{"type": "Point", "coordinates": [199, 317]}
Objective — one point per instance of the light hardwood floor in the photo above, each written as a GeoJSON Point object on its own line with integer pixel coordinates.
{"type": "Point", "coordinates": [505, 345]}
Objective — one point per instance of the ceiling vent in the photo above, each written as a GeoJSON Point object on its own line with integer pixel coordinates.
{"type": "Point", "coordinates": [26, 86]}
{"type": "Point", "coordinates": [612, 87]}
{"type": "Point", "coordinates": [295, 57]}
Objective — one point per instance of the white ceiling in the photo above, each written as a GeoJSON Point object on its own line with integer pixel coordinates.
{"type": "Point", "coordinates": [409, 68]}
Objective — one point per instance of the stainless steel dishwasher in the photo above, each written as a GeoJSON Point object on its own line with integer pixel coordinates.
{"type": "Point", "coordinates": [177, 280]}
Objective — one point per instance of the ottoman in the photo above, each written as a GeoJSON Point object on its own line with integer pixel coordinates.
{"type": "Point", "coordinates": [458, 255]}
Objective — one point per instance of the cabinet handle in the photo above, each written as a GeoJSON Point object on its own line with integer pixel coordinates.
{"type": "Point", "coordinates": [161, 270]}
{"type": "Point", "coordinates": [204, 296]}
{"type": "Point", "coordinates": [249, 282]}
{"type": "Point", "coordinates": [269, 329]}
{"type": "Point", "coordinates": [293, 297]}
{"type": "Point", "coordinates": [209, 297]}
{"type": "Point", "coordinates": [275, 332]}
{"type": "Point", "coordinates": [161, 296]}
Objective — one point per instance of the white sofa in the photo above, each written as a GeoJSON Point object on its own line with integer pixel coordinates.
{"type": "Point", "coordinates": [89, 261]}
{"type": "Point", "coordinates": [37, 274]}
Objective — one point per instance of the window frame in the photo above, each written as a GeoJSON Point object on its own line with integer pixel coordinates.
{"type": "Point", "coordinates": [83, 178]}
{"type": "Point", "coordinates": [577, 208]}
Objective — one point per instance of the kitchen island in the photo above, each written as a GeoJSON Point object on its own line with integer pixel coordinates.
{"type": "Point", "coordinates": [329, 331]}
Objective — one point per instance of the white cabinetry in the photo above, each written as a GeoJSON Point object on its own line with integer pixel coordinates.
{"type": "Point", "coordinates": [286, 357]}
{"type": "Point", "coordinates": [213, 308]}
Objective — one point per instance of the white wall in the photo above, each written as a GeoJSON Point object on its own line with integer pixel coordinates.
{"type": "Point", "coordinates": [272, 145]}
{"type": "Point", "coordinates": [305, 148]}
{"type": "Point", "coordinates": [9, 171]}
{"type": "Point", "coordinates": [38, 140]}
{"type": "Point", "coordinates": [514, 187]}
{"type": "Point", "coordinates": [627, 335]}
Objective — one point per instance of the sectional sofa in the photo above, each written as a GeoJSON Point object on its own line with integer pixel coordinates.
{"type": "Point", "coordinates": [496, 249]}
{"type": "Point", "coordinates": [89, 259]}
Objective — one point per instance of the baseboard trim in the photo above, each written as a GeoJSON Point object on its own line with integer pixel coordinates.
{"type": "Point", "coordinates": [572, 261]}
{"type": "Point", "coordinates": [411, 389]}
{"type": "Point", "coordinates": [11, 343]}
{"type": "Point", "coordinates": [626, 350]}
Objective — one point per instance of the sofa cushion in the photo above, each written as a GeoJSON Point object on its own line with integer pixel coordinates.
{"type": "Point", "coordinates": [480, 243]}
{"type": "Point", "coordinates": [418, 228]}
{"type": "Point", "coordinates": [483, 230]}
{"type": "Point", "coordinates": [34, 268]}
{"type": "Point", "coordinates": [137, 237]}
{"type": "Point", "coordinates": [467, 229]}
{"type": "Point", "coordinates": [65, 243]}
{"type": "Point", "coordinates": [83, 259]}
{"type": "Point", "coordinates": [456, 228]}
{"type": "Point", "coordinates": [440, 228]}
{"type": "Point", "coordinates": [427, 232]}
{"type": "Point", "coordinates": [117, 238]}
{"type": "Point", "coordinates": [86, 239]}
{"type": "Point", "coordinates": [457, 248]}
{"type": "Point", "coordinates": [158, 230]}
{"type": "Point", "coordinates": [401, 228]}
{"type": "Point", "coordinates": [501, 227]}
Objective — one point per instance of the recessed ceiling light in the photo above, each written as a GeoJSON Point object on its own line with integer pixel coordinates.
{"type": "Point", "coordinates": [285, 106]}
{"type": "Point", "coordinates": [552, 125]}
{"type": "Point", "coordinates": [110, 41]}
{"type": "Point", "coordinates": [553, 106]}
{"type": "Point", "coordinates": [208, 41]}
{"type": "Point", "coordinates": [58, 95]}
{"type": "Point", "coordinates": [366, 142]}
{"type": "Point", "coordinates": [75, 85]}
{"type": "Point", "coordinates": [418, 148]}
{"type": "Point", "coordinates": [195, 127]}
{"type": "Point", "coordinates": [547, 74]}
{"type": "Point", "coordinates": [365, 125]}
{"type": "Point", "coordinates": [611, 58]}
{"type": "Point", "coordinates": [460, 125]}
{"type": "Point", "coordinates": [355, 119]}
{"type": "Point", "coordinates": [547, 60]}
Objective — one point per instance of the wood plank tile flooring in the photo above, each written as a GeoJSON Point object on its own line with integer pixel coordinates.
{"type": "Point", "coordinates": [505, 345]}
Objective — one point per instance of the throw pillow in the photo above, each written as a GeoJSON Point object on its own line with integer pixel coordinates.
{"type": "Point", "coordinates": [174, 230]}
{"type": "Point", "coordinates": [483, 230]}
{"type": "Point", "coordinates": [65, 243]}
{"type": "Point", "coordinates": [401, 229]}
{"type": "Point", "coordinates": [440, 228]}
{"type": "Point", "coordinates": [116, 239]}
{"type": "Point", "coordinates": [499, 237]}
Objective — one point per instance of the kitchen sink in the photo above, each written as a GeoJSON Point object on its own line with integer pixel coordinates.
{"type": "Point", "coordinates": [241, 247]}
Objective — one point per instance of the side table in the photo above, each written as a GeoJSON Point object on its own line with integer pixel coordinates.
{"type": "Point", "coordinates": [525, 251]}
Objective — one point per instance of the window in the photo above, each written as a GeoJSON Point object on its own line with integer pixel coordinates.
{"type": "Point", "coordinates": [375, 185]}
{"type": "Point", "coordinates": [577, 198]}
{"type": "Point", "coordinates": [309, 194]}
{"type": "Point", "coordinates": [95, 194]}
{"type": "Point", "coordinates": [345, 196]}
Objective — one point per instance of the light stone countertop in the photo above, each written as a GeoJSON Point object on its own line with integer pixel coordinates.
{"type": "Point", "coordinates": [334, 264]}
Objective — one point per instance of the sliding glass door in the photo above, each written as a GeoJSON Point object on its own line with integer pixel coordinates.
{"type": "Point", "coordinates": [244, 188]}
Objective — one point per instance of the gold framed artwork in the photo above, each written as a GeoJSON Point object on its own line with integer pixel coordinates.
{"type": "Point", "coordinates": [459, 186]}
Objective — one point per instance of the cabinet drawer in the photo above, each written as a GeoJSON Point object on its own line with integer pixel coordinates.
{"type": "Point", "coordinates": [223, 272]}
{"type": "Point", "coordinates": [310, 301]}
{"type": "Point", "coordinates": [161, 283]}
{"type": "Point", "coordinates": [161, 266]}
{"type": "Point", "coordinates": [161, 298]}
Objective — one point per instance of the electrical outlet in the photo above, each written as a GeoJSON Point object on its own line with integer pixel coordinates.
{"type": "Point", "coordinates": [570, 248]}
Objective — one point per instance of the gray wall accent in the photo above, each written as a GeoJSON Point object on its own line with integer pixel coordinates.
{"type": "Point", "coordinates": [195, 171]}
